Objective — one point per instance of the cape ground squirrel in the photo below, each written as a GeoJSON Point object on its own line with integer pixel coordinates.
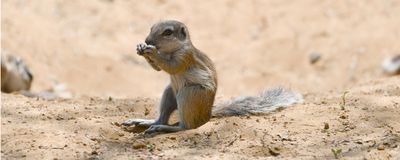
{"type": "Point", "coordinates": [15, 75]}
{"type": "Point", "coordinates": [194, 83]}
{"type": "Point", "coordinates": [17, 78]}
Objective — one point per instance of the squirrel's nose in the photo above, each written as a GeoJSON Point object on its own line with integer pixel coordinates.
{"type": "Point", "coordinates": [149, 41]}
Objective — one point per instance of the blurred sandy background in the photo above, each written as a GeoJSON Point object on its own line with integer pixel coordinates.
{"type": "Point", "coordinates": [89, 46]}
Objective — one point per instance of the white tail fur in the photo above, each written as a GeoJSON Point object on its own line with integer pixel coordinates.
{"type": "Point", "coordinates": [267, 101]}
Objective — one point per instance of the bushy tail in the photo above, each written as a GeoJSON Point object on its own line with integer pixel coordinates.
{"type": "Point", "coordinates": [267, 101]}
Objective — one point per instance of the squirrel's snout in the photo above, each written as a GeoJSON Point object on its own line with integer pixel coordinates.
{"type": "Point", "coordinates": [149, 41]}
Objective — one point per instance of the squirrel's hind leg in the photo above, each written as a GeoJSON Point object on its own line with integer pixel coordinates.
{"type": "Point", "coordinates": [194, 106]}
{"type": "Point", "coordinates": [163, 129]}
{"type": "Point", "coordinates": [167, 106]}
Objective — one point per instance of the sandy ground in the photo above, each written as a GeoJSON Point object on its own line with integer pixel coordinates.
{"type": "Point", "coordinates": [88, 46]}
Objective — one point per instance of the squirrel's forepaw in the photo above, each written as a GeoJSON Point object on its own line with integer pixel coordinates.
{"type": "Point", "coordinates": [150, 49]}
{"type": "Point", "coordinates": [140, 48]}
{"type": "Point", "coordinates": [143, 48]}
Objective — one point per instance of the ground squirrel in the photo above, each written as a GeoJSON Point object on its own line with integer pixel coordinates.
{"type": "Point", "coordinates": [15, 75]}
{"type": "Point", "coordinates": [17, 78]}
{"type": "Point", "coordinates": [194, 83]}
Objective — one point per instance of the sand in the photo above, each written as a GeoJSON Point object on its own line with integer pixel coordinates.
{"type": "Point", "coordinates": [89, 48]}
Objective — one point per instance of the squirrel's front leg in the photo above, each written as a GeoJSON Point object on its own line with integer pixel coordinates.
{"type": "Point", "coordinates": [172, 64]}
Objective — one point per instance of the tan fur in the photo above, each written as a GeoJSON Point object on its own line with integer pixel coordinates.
{"type": "Point", "coordinates": [15, 75]}
{"type": "Point", "coordinates": [193, 77]}
{"type": "Point", "coordinates": [194, 83]}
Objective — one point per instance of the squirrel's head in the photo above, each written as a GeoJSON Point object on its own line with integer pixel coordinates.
{"type": "Point", "coordinates": [168, 36]}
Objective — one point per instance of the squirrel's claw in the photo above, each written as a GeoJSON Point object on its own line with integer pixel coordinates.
{"type": "Point", "coordinates": [153, 129]}
{"type": "Point", "coordinates": [143, 48]}
{"type": "Point", "coordinates": [140, 48]}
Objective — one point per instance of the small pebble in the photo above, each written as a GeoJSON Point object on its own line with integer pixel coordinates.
{"type": "Point", "coordinates": [381, 147]}
{"type": "Point", "coordinates": [138, 146]}
{"type": "Point", "coordinates": [326, 125]}
{"type": "Point", "coordinates": [314, 57]}
{"type": "Point", "coordinates": [94, 153]}
{"type": "Point", "coordinates": [172, 138]}
{"type": "Point", "coordinates": [274, 151]}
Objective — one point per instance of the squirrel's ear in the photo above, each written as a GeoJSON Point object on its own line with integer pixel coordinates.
{"type": "Point", "coordinates": [183, 32]}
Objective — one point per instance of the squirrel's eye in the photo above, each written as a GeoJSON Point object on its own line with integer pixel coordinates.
{"type": "Point", "coordinates": [167, 32]}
